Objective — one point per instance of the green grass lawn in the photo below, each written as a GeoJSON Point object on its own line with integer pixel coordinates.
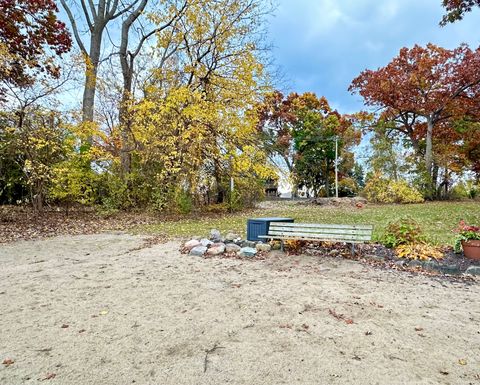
{"type": "Point", "coordinates": [437, 219]}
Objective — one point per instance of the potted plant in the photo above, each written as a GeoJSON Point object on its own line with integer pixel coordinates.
{"type": "Point", "coordinates": [468, 238]}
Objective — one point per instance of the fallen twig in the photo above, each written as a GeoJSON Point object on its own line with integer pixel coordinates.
{"type": "Point", "coordinates": [207, 352]}
{"type": "Point", "coordinates": [340, 317]}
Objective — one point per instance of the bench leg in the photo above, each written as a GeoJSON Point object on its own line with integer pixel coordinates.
{"type": "Point", "coordinates": [282, 247]}
{"type": "Point", "coordinates": [353, 249]}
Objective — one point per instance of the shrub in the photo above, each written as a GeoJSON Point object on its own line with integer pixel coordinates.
{"type": "Point", "coordinates": [403, 232]}
{"type": "Point", "coordinates": [381, 190]}
{"type": "Point", "coordinates": [419, 251]}
{"type": "Point", "coordinates": [183, 201]}
{"type": "Point", "coordinates": [347, 187]}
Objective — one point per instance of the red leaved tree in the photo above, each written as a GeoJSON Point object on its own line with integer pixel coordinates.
{"type": "Point", "coordinates": [456, 9]}
{"type": "Point", "coordinates": [30, 38]}
{"type": "Point", "coordinates": [422, 89]}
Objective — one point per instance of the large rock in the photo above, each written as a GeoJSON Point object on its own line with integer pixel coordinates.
{"type": "Point", "coordinates": [232, 248]}
{"type": "Point", "coordinates": [191, 244]}
{"type": "Point", "coordinates": [247, 252]}
{"type": "Point", "coordinates": [473, 270]}
{"type": "Point", "coordinates": [215, 235]}
{"type": "Point", "coordinates": [206, 242]}
{"type": "Point", "coordinates": [216, 249]}
{"type": "Point", "coordinates": [263, 247]}
{"type": "Point", "coordinates": [199, 251]}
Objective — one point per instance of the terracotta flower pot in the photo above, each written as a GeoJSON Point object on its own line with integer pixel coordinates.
{"type": "Point", "coordinates": [471, 249]}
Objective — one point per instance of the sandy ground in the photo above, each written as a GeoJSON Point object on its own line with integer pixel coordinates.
{"type": "Point", "coordinates": [148, 315]}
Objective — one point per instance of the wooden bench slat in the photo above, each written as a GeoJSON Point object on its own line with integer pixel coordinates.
{"type": "Point", "coordinates": [315, 236]}
{"type": "Point", "coordinates": [310, 239]}
{"type": "Point", "coordinates": [322, 231]}
{"type": "Point", "coordinates": [322, 225]}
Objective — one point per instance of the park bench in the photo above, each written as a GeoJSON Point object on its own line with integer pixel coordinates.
{"type": "Point", "coordinates": [320, 232]}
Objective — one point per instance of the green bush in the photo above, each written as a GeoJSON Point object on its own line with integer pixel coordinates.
{"type": "Point", "coordinates": [183, 201]}
{"type": "Point", "coordinates": [381, 190]}
{"type": "Point", "coordinates": [347, 187]}
{"type": "Point", "coordinates": [404, 231]}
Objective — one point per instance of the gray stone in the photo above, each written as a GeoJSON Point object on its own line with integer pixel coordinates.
{"type": "Point", "coordinates": [206, 242]}
{"type": "Point", "coordinates": [374, 257]}
{"type": "Point", "coordinates": [400, 263]}
{"type": "Point", "coordinates": [449, 269]}
{"type": "Point", "coordinates": [247, 244]}
{"type": "Point", "coordinates": [191, 244]}
{"type": "Point", "coordinates": [232, 237]}
{"type": "Point", "coordinates": [199, 251]}
{"type": "Point", "coordinates": [473, 270]}
{"type": "Point", "coordinates": [215, 235]}
{"type": "Point", "coordinates": [216, 249]}
{"type": "Point", "coordinates": [247, 252]}
{"type": "Point", "coordinates": [415, 263]}
{"type": "Point", "coordinates": [263, 247]}
{"type": "Point", "coordinates": [232, 248]}
{"type": "Point", "coordinates": [430, 265]}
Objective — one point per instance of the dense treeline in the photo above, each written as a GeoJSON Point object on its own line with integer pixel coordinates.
{"type": "Point", "coordinates": [170, 105]}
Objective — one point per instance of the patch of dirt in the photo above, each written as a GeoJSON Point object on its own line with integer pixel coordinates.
{"type": "Point", "coordinates": [18, 223]}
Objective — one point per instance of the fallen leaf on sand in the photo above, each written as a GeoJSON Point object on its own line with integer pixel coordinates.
{"type": "Point", "coordinates": [49, 376]}
{"type": "Point", "coordinates": [418, 329]}
{"type": "Point", "coordinates": [462, 362]}
{"type": "Point", "coordinates": [65, 326]}
{"type": "Point", "coordinates": [103, 312]}
{"type": "Point", "coordinates": [8, 362]}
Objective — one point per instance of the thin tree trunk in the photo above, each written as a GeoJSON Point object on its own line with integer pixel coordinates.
{"type": "Point", "coordinates": [429, 146]}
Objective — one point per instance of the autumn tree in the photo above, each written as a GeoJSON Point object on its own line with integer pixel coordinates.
{"type": "Point", "coordinates": [456, 9]}
{"type": "Point", "coordinates": [276, 119]}
{"type": "Point", "coordinates": [31, 38]}
{"type": "Point", "coordinates": [316, 128]}
{"type": "Point", "coordinates": [420, 90]}
{"type": "Point", "coordinates": [163, 19]}
{"type": "Point", "coordinates": [95, 19]}
{"type": "Point", "coordinates": [192, 129]}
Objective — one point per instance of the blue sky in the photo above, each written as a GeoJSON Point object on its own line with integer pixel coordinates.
{"type": "Point", "coordinates": [321, 45]}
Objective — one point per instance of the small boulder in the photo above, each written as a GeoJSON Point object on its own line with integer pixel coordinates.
{"type": "Point", "coordinates": [374, 257]}
{"type": "Point", "coordinates": [215, 235]}
{"type": "Point", "coordinates": [232, 248]}
{"type": "Point", "coordinates": [230, 237]}
{"type": "Point", "coordinates": [191, 244]}
{"type": "Point", "coordinates": [415, 263]}
{"type": "Point", "coordinates": [449, 269]}
{"type": "Point", "coordinates": [199, 251]}
{"type": "Point", "coordinates": [206, 242]}
{"type": "Point", "coordinates": [247, 252]}
{"type": "Point", "coordinates": [263, 247]}
{"type": "Point", "coordinates": [430, 265]}
{"type": "Point", "coordinates": [401, 263]}
{"type": "Point", "coordinates": [216, 249]}
{"type": "Point", "coordinates": [473, 270]}
{"type": "Point", "coordinates": [248, 244]}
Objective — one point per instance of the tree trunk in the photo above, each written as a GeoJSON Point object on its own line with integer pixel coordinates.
{"type": "Point", "coordinates": [91, 70]}
{"type": "Point", "coordinates": [428, 147]}
{"type": "Point", "coordinates": [327, 180]}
